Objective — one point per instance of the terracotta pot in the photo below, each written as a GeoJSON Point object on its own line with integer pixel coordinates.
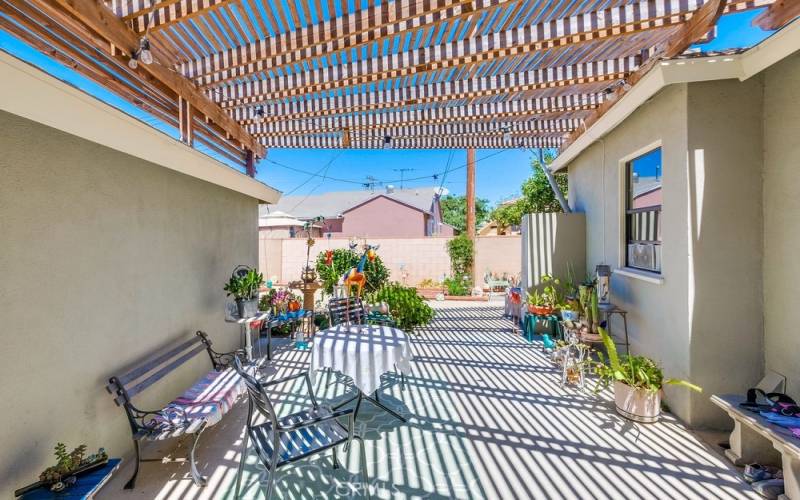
{"type": "Point", "coordinates": [540, 310]}
{"type": "Point", "coordinates": [639, 405]}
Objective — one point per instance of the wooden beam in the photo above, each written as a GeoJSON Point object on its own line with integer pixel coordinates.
{"type": "Point", "coordinates": [550, 106]}
{"type": "Point", "coordinates": [592, 26]}
{"type": "Point", "coordinates": [506, 83]}
{"type": "Point", "coordinates": [250, 163]}
{"type": "Point", "coordinates": [556, 127]}
{"type": "Point", "coordinates": [778, 15]}
{"type": "Point", "coordinates": [335, 141]}
{"type": "Point", "coordinates": [351, 31]}
{"type": "Point", "coordinates": [701, 23]}
{"type": "Point", "coordinates": [185, 121]}
{"type": "Point", "coordinates": [579, 28]}
{"type": "Point", "coordinates": [96, 16]}
{"type": "Point", "coordinates": [142, 14]}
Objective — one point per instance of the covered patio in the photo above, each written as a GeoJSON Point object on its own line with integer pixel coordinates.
{"type": "Point", "coordinates": [487, 419]}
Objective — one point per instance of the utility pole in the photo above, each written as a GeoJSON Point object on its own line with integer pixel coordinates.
{"type": "Point", "coordinates": [471, 193]}
{"type": "Point", "coordinates": [402, 174]}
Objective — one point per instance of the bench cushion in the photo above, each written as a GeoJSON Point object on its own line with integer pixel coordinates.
{"type": "Point", "coordinates": [211, 396]}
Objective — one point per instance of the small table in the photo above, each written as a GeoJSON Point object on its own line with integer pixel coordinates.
{"type": "Point", "coordinates": [85, 488]}
{"type": "Point", "coordinates": [363, 353]}
{"type": "Point", "coordinates": [246, 324]}
{"type": "Point", "coordinates": [277, 321]}
{"type": "Point", "coordinates": [553, 323]}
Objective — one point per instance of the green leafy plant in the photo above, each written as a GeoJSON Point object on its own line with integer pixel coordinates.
{"type": "Point", "coordinates": [408, 309]}
{"type": "Point", "coordinates": [549, 293]}
{"type": "Point", "coordinates": [67, 463]}
{"type": "Point", "coordinates": [462, 253]}
{"type": "Point", "coordinates": [459, 285]}
{"type": "Point", "coordinates": [429, 283]}
{"type": "Point", "coordinates": [246, 286]}
{"type": "Point", "coordinates": [537, 195]}
{"type": "Point", "coordinates": [639, 372]}
{"type": "Point", "coordinates": [454, 211]}
{"type": "Point", "coordinates": [344, 259]}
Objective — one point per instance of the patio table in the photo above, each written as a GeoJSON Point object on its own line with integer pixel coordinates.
{"type": "Point", "coordinates": [363, 353]}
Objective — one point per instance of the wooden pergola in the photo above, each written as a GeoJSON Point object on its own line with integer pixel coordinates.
{"type": "Point", "coordinates": [241, 76]}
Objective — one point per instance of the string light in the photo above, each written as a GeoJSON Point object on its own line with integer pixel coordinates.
{"type": "Point", "coordinates": [144, 51]}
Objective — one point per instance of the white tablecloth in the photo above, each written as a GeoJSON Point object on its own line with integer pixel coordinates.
{"type": "Point", "coordinates": [362, 352]}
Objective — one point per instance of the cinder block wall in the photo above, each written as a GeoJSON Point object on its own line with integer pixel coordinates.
{"type": "Point", "coordinates": [104, 259]}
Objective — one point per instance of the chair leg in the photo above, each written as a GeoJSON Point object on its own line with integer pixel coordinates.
{"type": "Point", "coordinates": [335, 459]}
{"type": "Point", "coordinates": [196, 477]}
{"type": "Point", "coordinates": [241, 463]}
{"type": "Point", "coordinates": [271, 482]}
{"type": "Point", "coordinates": [132, 481]}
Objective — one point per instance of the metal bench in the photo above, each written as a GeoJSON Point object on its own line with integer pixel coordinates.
{"type": "Point", "coordinates": [201, 406]}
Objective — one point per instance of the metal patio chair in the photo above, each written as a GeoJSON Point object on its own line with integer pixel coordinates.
{"type": "Point", "coordinates": [281, 441]}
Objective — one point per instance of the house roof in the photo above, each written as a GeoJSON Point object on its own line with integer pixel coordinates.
{"type": "Point", "coordinates": [330, 205]}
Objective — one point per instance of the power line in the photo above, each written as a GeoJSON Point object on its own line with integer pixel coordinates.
{"type": "Point", "coordinates": [361, 183]}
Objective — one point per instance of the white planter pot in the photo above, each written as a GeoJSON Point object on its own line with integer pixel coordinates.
{"type": "Point", "coordinates": [247, 308]}
{"type": "Point", "coordinates": [639, 405]}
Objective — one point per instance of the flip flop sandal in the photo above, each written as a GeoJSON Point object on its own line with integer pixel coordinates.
{"type": "Point", "coordinates": [772, 398]}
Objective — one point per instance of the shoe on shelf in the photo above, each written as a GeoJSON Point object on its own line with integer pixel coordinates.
{"type": "Point", "coordinates": [758, 472]}
{"type": "Point", "coordinates": [769, 488]}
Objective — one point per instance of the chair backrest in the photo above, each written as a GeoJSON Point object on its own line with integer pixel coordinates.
{"type": "Point", "coordinates": [257, 395]}
{"type": "Point", "coordinates": [344, 310]}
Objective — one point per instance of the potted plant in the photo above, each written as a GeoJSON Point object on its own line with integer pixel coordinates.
{"type": "Point", "coordinates": [244, 285]}
{"type": "Point", "coordinates": [638, 382]}
{"type": "Point", "coordinates": [544, 302]}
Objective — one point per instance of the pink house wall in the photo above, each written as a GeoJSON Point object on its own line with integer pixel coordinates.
{"type": "Point", "coordinates": [383, 217]}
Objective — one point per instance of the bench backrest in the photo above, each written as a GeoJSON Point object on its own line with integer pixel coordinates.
{"type": "Point", "coordinates": [125, 387]}
{"type": "Point", "coordinates": [344, 310]}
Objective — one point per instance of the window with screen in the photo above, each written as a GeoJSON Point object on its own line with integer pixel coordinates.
{"type": "Point", "coordinates": [643, 212]}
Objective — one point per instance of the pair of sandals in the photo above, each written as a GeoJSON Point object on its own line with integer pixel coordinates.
{"type": "Point", "coordinates": [777, 402]}
{"type": "Point", "coordinates": [767, 481]}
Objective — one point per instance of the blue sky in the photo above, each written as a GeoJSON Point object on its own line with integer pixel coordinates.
{"type": "Point", "coordinates": [499, 172]}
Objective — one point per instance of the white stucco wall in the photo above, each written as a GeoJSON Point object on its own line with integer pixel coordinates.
{"type": "Point", "coordinates": [782, 220]}
{"type": "Point", "coordinates": [105, 258]}
{"type": "Point", "coordinates": [702, 320]}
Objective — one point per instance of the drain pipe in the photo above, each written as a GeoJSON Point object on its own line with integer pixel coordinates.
{"type": "Point", "coordinates": [553, 185]}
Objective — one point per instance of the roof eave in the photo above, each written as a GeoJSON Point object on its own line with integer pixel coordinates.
{"type": "Point", "coordinates": [741, 66]}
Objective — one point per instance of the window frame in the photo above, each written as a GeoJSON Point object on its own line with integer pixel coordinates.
{"type": "Point", "coordinates": [625, 178]}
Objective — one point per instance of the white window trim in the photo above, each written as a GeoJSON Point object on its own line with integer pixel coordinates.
{"type": "Point", "coordinates": [622, 254]}
{"type": "Point", "coordinates": [640, 274]}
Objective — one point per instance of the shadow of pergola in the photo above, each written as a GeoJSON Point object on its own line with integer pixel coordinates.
{"type": "Point", "coordinates": [487, 418]}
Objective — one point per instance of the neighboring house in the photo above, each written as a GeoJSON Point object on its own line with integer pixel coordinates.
{"type": "Point", "coordinates": [276, 225]}
{"type": "Point", "coordinates": [704, 253]}
{"type": "Point", "coordinates": [401, 213]}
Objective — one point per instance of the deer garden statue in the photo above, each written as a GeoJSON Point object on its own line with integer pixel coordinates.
{"type": "Point", "coordinates": [355, 276]}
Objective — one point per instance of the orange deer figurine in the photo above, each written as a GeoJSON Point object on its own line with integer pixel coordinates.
{"type": "Point", "coordinates": [355, 276]}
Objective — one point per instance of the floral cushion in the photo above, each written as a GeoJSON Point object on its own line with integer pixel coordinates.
{"type": "Point", "coordinates": [211, 396]}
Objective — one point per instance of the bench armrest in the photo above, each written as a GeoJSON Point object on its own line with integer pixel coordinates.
{"type": "Point", "coordinates": [317, 420]}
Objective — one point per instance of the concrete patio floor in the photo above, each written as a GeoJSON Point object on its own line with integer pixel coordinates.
{"type": "Point", "coordinates": [487, 419]}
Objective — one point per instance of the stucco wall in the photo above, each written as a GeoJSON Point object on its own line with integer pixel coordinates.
{"type": "Point", "coordinates": [657, 313]}
{"type": "Point", "coordinates": [725, 241]}
{"type": "Point", "coordinates": [415, 258]}
{"type": "Point", "coordinates": [105, 258]}
{"type": "Point", "coordinates": [781, 220]}
{"type": "Point", "coordinates": [382, 217]}
{"type": "Point", "coordinates": [703, 319]}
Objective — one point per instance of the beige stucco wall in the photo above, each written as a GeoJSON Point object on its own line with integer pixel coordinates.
{"type": "Point", "coordinates": [105, 258]}
{"type": "Point", "coordinates": [782, 220]}
{"type": "Point", "coordinates": [725, 241]}
{"type": "Point", "coordinates": [657, 313]}
{"type": "Point", "coordinates": [704, 317]}
{"type": "Point", "coordinates": [410, 260]}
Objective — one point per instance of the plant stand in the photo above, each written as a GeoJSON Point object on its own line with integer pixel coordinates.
{"type": "Point", "coordinates": [553, 326]}
{"type": "Point", "coordinates": [246, 328]}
